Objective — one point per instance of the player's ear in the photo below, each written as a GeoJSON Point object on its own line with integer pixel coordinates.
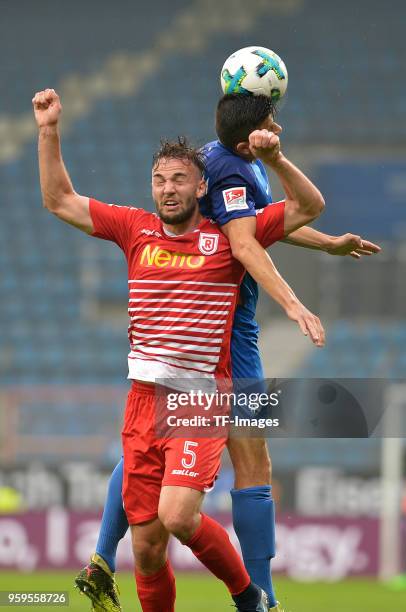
{"type": "Point", "coordinates": [201, 189]}
{"type": "Point", "coordinates": [276, 128]}
{"type": "Point", "coordinates": [243, 149]}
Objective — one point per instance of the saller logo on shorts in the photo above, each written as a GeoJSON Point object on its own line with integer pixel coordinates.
{"type": "Point", "coordinates": [235, 198]}
{"type": "Point", "coordinates": [161, 258]}
{"type": "Point", "coordinates": [208, 243]}
{"type": "Point", "coordinates": [185, 473]}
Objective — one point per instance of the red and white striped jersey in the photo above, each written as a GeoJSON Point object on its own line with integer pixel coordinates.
{"type": "Point", "coordinates": [182, 290]}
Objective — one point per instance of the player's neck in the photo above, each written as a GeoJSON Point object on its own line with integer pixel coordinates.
{"type": "Point", "coordinates": [184, 228]}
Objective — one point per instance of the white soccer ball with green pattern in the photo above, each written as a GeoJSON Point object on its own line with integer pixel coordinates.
{"type": "Point", "coordinates": [255, 70]}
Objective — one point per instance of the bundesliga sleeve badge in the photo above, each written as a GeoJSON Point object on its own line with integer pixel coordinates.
{"type": "Point", "coordinates": [208, 243]}
{"type": "Point", "coordinates": [235, 198]}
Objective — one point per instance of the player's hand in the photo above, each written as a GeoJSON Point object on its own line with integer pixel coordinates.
{"type": "Point", "coordinates": [355, 246]}
{"type": "Point", "coordinates": [265, 145]}
{"type": "Point", "coordinates": [47, 107]}
{"type": "Point", "coordinates": [309, 323]}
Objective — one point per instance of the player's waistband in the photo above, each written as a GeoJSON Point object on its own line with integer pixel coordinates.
{"type": "Point", "coordinates": [142, 388]}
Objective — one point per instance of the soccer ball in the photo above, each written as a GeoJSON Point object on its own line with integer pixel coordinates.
{"type": "Point", "coordinates": [254, 70]}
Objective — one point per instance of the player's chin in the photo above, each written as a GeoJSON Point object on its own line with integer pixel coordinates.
{"type": "Point", "coordinates": [171, 215]}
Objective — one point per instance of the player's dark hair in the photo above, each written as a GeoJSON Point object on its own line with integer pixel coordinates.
{"type": "Point", "coordinates": [179, 149]}
{"type": "Point", "coordinates": [238, 115]}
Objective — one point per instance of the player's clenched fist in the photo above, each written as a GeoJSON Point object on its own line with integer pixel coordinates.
{"type": "Point", "coordinates": [47, 107]}
{"type": "Point", "coordinates": [265, 145]}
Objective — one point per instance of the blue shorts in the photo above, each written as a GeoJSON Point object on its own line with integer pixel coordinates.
{"type": "Point", "coordinates": [245, 357]}
{"type": "Point", "coordinates": [246, 367]}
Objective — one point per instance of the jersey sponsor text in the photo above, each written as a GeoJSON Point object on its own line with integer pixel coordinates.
{"type": "Point", "coordinates": [162, 258]}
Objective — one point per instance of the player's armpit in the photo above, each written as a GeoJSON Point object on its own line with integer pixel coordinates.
{"type": "Point", "coordinates": [74, 209]}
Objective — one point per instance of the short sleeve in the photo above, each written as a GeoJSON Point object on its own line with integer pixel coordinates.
{"type": "Point", "coordinates": [231, 198]}
{"type": "Point", "coordinates": [112, 222]}
{"type": "Point", "coordinates": [270, 224]}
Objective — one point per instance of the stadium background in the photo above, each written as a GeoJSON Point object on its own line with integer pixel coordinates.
{"type": "Point", "coordinates": [128, 74]}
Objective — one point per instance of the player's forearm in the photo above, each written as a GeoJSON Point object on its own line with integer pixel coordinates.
{"type": "Point", "coordinates": [54, 178]}
{"type": "Point", "coordinates": [309, 238]}
{"type": "Point", "coordinates": [261, 267]}
{"type": "Point", "coordinates": [298, 187]}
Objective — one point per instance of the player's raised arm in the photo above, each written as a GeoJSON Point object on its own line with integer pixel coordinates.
{"type": "Point", "coordinates": [303, 202]}
{"type": "Point", "coordinates": [58, 195]}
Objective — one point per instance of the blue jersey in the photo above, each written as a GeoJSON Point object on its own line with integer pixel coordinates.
{"type": "Point", "coordinates": [235, 188]}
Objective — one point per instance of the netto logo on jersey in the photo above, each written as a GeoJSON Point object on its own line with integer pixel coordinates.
{"type": "Point", "coordinates": [161, 258]}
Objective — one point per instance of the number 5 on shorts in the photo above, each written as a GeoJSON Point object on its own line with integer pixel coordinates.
{"type": "Point", "coordinates": [187, 464]}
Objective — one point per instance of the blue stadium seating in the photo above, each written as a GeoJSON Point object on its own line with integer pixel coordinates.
{"type": "Point", "coordinates": [360, 350]}
{"type": "Point", "coordinates": [337, 94]}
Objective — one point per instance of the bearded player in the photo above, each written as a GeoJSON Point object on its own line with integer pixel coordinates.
{"type": "Point", "coordinates": [237, 186]}
{"type": "Point", "coordinates": [154, 513]}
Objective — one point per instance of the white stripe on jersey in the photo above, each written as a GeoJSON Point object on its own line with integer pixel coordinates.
{"type": "Point", "coordinates": [150, 369]}
{"type": "Point", "coordinates": [144, 368]}
{"type": "Point", "coordinates": [180, 328]}
{"type": "Point", "coordinates": [181, 301]}
{"type": "Point", "coordinates": [179, 345]}
{"type": "Point", "coordinates": [217, 321]}
{"type": "Point", "coordinates": [184, 282]}
{"type": "Point", "coordinates": [179, 291]}
{"type": "Point", "coordinates": [186, 363]}
{"type": "Point", "coordinates": [154, 350]}
{"type": "Point", "coordinates": [167, 309]}
{"type": "Point", "coordinates": [177, 337]}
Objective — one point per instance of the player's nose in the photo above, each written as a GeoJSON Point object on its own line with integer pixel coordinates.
{"type": "Point", "coordinates": [169, 187]}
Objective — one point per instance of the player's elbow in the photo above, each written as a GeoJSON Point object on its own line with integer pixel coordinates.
{"type": "Point", "coordinates": [321, 204]}
{"type": "Point", "coordinates": [312, 207]}
{"type": "Point", "coordinates": [51, 205]}
{"type": "Point", "coordinates": [51, 201]}
{"type": "Point", "coordinates": [57, 204]}
{"type": "Point", "coordinates": [316, 205]}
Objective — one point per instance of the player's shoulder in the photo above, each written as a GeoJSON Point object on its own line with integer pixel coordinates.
{"type": "Point", "coordinates": [144, 218]}
{"type": "Point", "coordinates": [137, 218]}
{"type": "Point", "coordinates": [134, 212]}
